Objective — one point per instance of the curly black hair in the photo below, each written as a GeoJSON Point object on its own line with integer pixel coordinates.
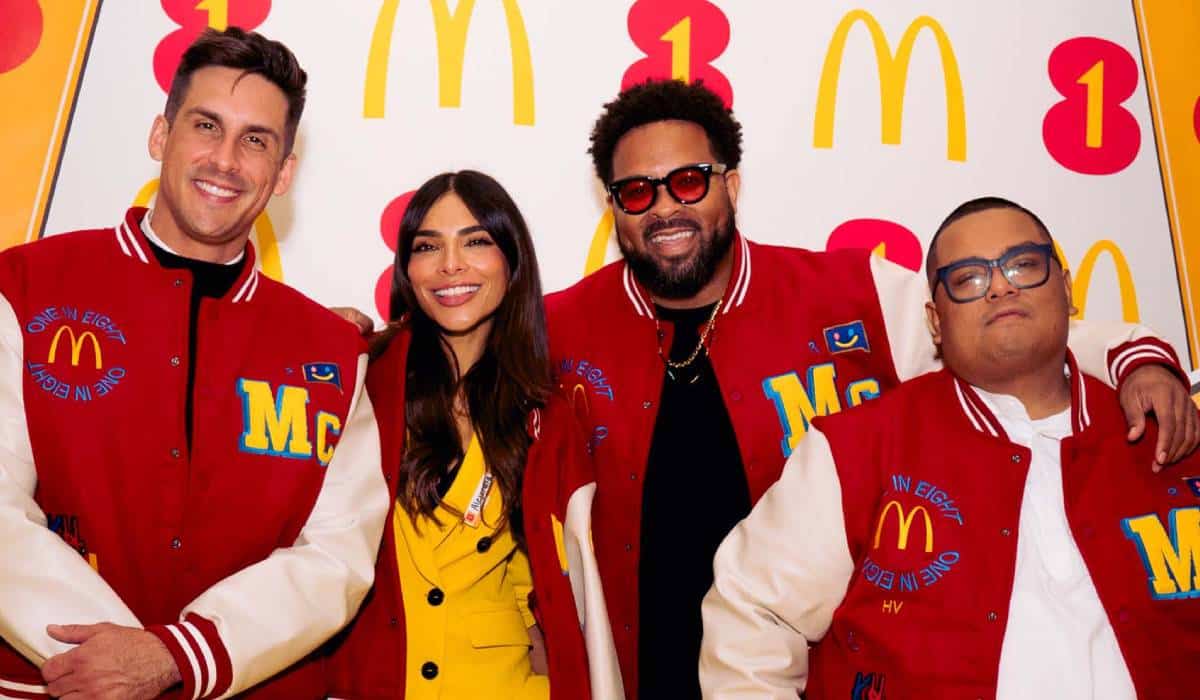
{"type": "Point", "coordinates": [662, 100]}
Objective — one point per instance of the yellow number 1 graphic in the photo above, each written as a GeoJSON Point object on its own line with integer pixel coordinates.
{"type": "Point", "coordinates": [218, 13]}
{"type": "Point", "coordinates": [680, 39]}
{"type": "Point", "coordinates": [1094, 80]}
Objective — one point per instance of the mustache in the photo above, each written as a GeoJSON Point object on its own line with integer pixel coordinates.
{"type": "Point", "coordinates": [657, 225]}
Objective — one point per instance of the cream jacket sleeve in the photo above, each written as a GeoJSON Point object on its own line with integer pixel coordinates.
{"type": "Point", "coordinates": [44, 580]}
{"type": "Point", "coordinates": [1104, 349]}
{"type": "Point", "coordinates": [778, 577]}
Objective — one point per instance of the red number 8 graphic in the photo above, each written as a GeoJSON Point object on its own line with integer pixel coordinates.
{"type": "Point", "coordinates": [680, 39]}
{"type": "Point", "coordinates": [193, 17]}
{"type": "Point", "coordinates": [1090, 132]}
{"type": "Point", "coordinates": [389, 228]}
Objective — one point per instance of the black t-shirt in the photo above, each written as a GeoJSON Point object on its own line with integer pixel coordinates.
{"type": "Point", "coordinates": [694, 493]}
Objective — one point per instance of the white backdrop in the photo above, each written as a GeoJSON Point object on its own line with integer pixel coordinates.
{"type": "Point", "coordinates": [351, 166]}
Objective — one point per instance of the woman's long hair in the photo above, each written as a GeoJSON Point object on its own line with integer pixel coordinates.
{"type": "Point", "coordinates": [511, 378]}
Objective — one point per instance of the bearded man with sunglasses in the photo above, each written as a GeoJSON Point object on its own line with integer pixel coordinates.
{"type": "Point", "coordinates": [698, 361]}
{"type": "Point", "coordinates": [982, 531]}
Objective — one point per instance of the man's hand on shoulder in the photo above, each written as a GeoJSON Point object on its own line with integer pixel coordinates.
{"type": "Point", "coordinates": [1154, 388]}
{"type": "Point", "coordinates": [358, 318]}
{"type": "Point", "coordinates": [110, 662]}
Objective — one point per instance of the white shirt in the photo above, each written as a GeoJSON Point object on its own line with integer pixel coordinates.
{"type": "Point", "coordinates": [1059, 642]}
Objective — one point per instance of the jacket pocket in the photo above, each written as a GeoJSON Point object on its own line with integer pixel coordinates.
{"type": "Point", "coordinates": [498, 628]}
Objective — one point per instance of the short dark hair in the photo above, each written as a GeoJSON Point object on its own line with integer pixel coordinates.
{"type": "Point", "coordinates": [252, 53]}
{"type": "Point", "coordinates": [663, 100]}
{"type": "Point", "coordinates": [967, 208]}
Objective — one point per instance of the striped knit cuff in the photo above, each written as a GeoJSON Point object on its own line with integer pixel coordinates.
{"type": "Point", "coordinates": [1127, 357]}
{"type": "Point", "coordinates": [22, 691]}
{"type": "Point", "coordinates": [203, 662]}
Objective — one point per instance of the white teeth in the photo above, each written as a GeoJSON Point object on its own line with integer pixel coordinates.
{"type": "Point", "coordinates": [454, 291]}
{"type": "Point", "coordinates": [671, 237]}
{"type": "Point", "coordinates": [215, 190]}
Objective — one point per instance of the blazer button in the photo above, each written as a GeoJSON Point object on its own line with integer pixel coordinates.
{"type": "Point", "coordinates": [429, 670]}
{"type": "Point", "coordinates": [435, 597]}
{"type": "Point", "coordinates": [483, 545]}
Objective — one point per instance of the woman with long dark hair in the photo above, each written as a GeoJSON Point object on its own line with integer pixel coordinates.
{"type": "Point", "coordinates": [457, 382]}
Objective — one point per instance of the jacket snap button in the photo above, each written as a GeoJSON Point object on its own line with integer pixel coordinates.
{"type": "Point", "coordinates": [1006, 532]}
{"type": "Point", "coordinates": [992, 616]}
{"type": "Point", "coordinates": [176, 543]}
{"type": "Point", "coordinates": [175, 360]}
{"type": "Point", "coordinates": [483, 545]}
{"type": "Point", "coordinates": [1016, 459]}
{"type": "Point", "coordinates": [429, 670]}
{"type": "Point", "coordinates": [175, 452]}
{"type": "Point", "coordinates": [646, 404]}
{"type": "Point", "coordinates": [435, 597]}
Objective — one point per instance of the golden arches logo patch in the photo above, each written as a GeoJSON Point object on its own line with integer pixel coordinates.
{"type": "Point", "coordinates": [904, 522]}
{"type": "Point", "coordinates": [76, 346]}
{"type": "Point", "coordinates": [74, 367]}
{"type": "Point", "coordinates": [896, 568]}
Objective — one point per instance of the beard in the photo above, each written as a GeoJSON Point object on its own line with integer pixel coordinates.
{"type": "Point", "coordinates": [679, 279]}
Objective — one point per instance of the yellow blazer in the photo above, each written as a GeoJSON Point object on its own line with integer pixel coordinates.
{"type": "Point", "coordinates": [465, 593]}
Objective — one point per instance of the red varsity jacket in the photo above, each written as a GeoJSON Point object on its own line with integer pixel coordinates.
{"type": "Point", "coordinates": [105, 515]}
{"type": "Point", "coordinates": [800, 334]}
{"type": "Point", "coordinates": [890, 542]}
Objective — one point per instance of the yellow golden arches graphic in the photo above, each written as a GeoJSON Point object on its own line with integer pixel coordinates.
{"type": "Point", "coordinates": [266, 243]}
{"type": "Point", "coordinates": [905, 523]}
{"type": "Point", "coordinates": [893, 79]}
{"type": "Point", "coordinates": [76, 347]}
{"type": "Point", "coordinates": [560, 546]}
{"type": "Point", "coordinates": [1081, 279]}
{"type": "Point", "coordinates": [599, 245]}
{"type": "Point", "coordinates": [451, 30]}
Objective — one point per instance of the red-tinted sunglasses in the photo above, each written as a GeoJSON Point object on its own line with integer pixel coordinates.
{"type": "Point", "coordinates": [687, 185]}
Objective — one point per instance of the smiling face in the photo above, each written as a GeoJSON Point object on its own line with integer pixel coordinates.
{"type": "Point", "coordinates": [223, 157]}
{"type": "Point", "coordinates": [458, 274]}
{"type": "Point", "coordinates": [1010, 330]}
{"type": "Point", "coordinates": [680, 252]}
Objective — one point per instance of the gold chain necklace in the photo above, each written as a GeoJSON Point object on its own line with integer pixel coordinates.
{"type": "Point", "coordinates": [704, 336]}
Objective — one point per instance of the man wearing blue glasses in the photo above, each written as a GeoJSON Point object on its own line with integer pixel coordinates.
{"type": "Point", "coordinates": [701, 357]}
{"type": "Point", "coordinates": [981, 531]}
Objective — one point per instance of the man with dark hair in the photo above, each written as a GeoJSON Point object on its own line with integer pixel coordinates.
{"type": "Point", "coordinates": [173, 513]}
{"type": "Point", "coordinates": [982, 531]}
{"type": "Point", "coordinates": [701, 358]}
